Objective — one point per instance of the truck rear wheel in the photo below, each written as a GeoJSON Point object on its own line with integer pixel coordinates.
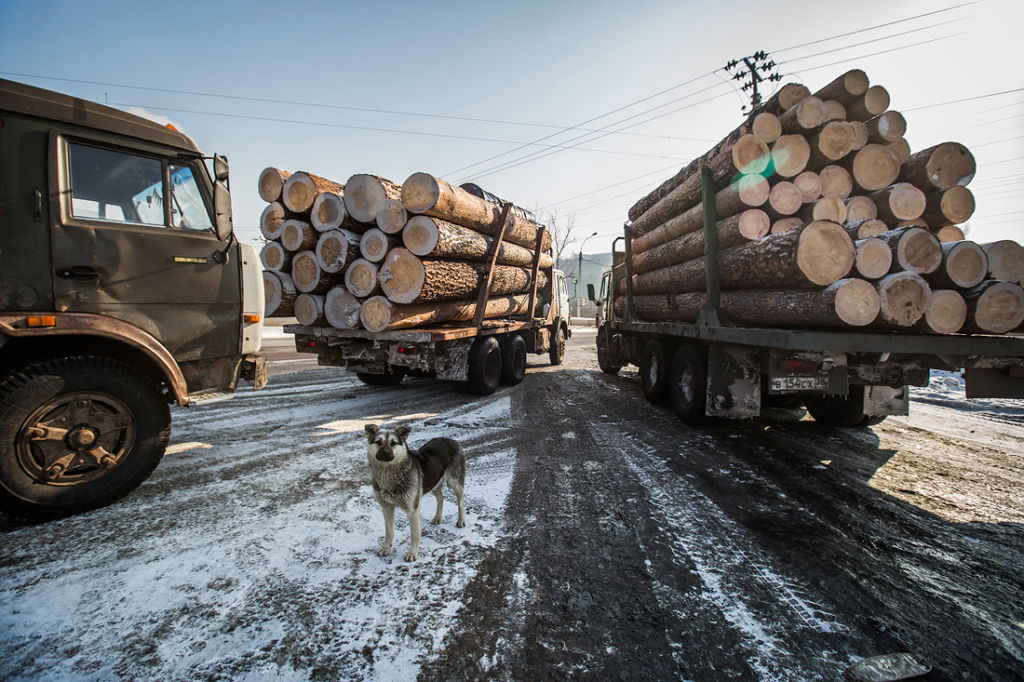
{"type": "Point", "coordinates": [654, 372]}
{"type": "Point", "coordinates": [603, 359]}
{"type": "Point", "coordinates": [836, 410]}
{"type": "Point", "coordinates": [484, 366]}
{"type": "Point", "coordinates": [557, 351]}
{"type": "Point", "coordinates": [513, 359]}
{"type": "Point", "coordinates": [392, 378]}
{"type": "Point", "coordinates": [77, 433]}
{"type": "Point", "coordinates": [688, 385]}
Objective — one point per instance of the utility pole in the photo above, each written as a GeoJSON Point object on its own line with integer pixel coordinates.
{"type": "Point", "coordinates": [579, 279]}
{"type": "Point", "coordinates": [759, 68]}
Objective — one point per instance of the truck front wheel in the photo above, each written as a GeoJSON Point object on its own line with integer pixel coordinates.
{"type": "Point", "coordinates": [654, 372]}
{"type": "Point", "coordinates": [688, 385]}
{"type": "Point", "coordinates": [513, 359]}
{"type": "Point", "coordinates": [557, 351]}
{"type": "Point", "coordinates": [77, 433]}
{"type": "Point", "coordinates": [484, 366]}
{"type": "Point", "coordinates": [603, 354]}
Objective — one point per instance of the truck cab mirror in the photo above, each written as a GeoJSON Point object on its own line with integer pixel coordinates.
{"type": "Point", "coordinates": [222, 209]}
{"type": "Point", "coordinates": [220, 168]}
{"type": "Point", "coordinates": [590, 293]}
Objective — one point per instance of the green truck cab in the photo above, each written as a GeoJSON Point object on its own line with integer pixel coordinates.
{"type": "Point", "coordinates": [122, 290]}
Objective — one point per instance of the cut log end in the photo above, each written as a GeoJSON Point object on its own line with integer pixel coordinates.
{"type": "Point", "coordinates": [835, 181]}
{"type": "Point", "coordinates": [306, 273]}
{"type": "Point", "coordinates": [949, 206]}
{"type": "Point", "coordinates": [887, 127]}
{"type": "Point", "coordinates": [750, 154]}
{"type": "Point", "coordinates": [965, 264]}
{"type": "Point", "coordinates": [870, 228]}
{"type": "Point", "coordinates": [998, 309]}
{"type": "Point", "coordinates": [825, 252]}
{"type": "Point", "coordinates": [361, 278]}
{"type": "Point", "coordinates": [785, 198]}
{"type": "Point", "coordinates": [279, 294]}
{"type": "Point", "coordinates": [856, 302]}
{"type": "Point", "coordinates": [271, 219]}
{"type": "Point", "coordinates": [873, 102]}
{"type": "Point", "coordinates": [375, 313]}
{"type": "Point", "coordinates": [859, 209]}
{"type": "Point", "coordinates": [790, 155]}
{"type": "Point", "coordinates": [809, 184]}
{"type": "Point", "coordinates": [918, 251]}
{"type": "Point", "coordinates": [874, 258]}
{"type": "Point", "coordinates": [274, 257]}
{"type": "Point", "coordinates": [420, 235]}
{"type": "Point", "coordinates": [766, 126]}
{"type": "Point", "coordinates": [335, 249]}
{"type": "Point", "coordinates": [420, 192]}
{"type": "Point", "coordinates": [1005, 260]}
{"type": "Point", "coordinates": [945, 312]}
{"type": "Point", "coordinates": [327, 212]}
{"type": "Point", "coordinates": [752, 190]}
{"type": "Point", "coordinates": [901, 201]}
{"type": "Point", "coordinates": [754, 223]}
{"type": "Point", "coordinates": [374, 245]}
{"type": "Point", "coordinates": [392, 216]}
{"type": "Point", "coordinates": [309, 310]}
{"type": "Point", "coordinates": [402, 276]}
{"type": "Point", "coordinates": [271, 182]}
{"type": "Point", "coordinates": [300, 191]}
{"type": "Point", "coordinates": [939, 167]}
{"type": "Point", "coordinates": [297, 235]}
{"type": "Point", "coordinates": [949, 233]}
{"type": "Point", "coordinates": [904, 297]}
{"type": "Point", "coordinates": [785, 224]}
{"type": "Point", "coordinates": [875, 167]}
{"type": "Point", "coordinates": [365, 196]}
{"type": "Point", "coordinates": [341, 308]}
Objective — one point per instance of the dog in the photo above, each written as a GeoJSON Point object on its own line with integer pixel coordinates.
{"type": "Point", "coordinates": [401, 477]}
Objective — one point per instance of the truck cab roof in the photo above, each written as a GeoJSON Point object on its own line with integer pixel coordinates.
{"type": "Point", "coordinates": [26, 99]}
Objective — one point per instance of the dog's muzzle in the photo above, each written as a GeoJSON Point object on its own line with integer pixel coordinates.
{"type": "Point", "coordinates": [385, 455]}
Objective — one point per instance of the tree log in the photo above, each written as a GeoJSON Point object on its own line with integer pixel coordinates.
{"type": "Point", "coordinates": [949, 233]}
{"type": "Point", "coordinates": [341, 308]}
{"type": "Point", "coordinates": [874, 258]}
{"type": "Point", "coordinates": [271, 182]}
{"type": "Point", "coordinates": [784, 199]}
{"type": "Point", "coordinates": [404, 278]}
{"type": "Point", "coordinates": [308, 276]}
{"type": "Point", "coordinates": [866, 228]}
{"type": "Point", "coordinates": [809, 184]}
{"type": "Point", "coordinates": [301, 189]}
{"type": "Point", "coordinates": [819, 253]}
{"type": "Point", "coordinates": [766, 126]}
{"type": "Point", "coordinates": [279, 294]}
{"type": "Point", "coordinates": [828, 207]}
{"type": "Point", "coordinates": [328, 213]}
{"type": "Point", "coordinates": [901, 148]}
{"type": "Point", "coordinates": [903, 298]}
{"type": "Point", "coordinates": [859, 209]}
{"type": "Point", "coordinates": [273, 218]}
{"type": "Point", "coordinates": [964, 266]}
{"type": "Point", "coordinates": [914, 249]}
{"type": "Point", "coordinates": [392, 216]}
{"type": "Point", "coordinates": [805, 115]}
{"type": "Point", "coordinates": [375, 245]}
{"type": "Point", "coordinates": [750, 191]}
{"type": "Point", "coordinates": [298, 235]}
{"type": "Point", "coordinates": [423, 193]}
{"type": "Point", "coordinates": [874, 101]}
{"type": "Point", "coordinates": [335, 249]}
{"type": "Point", "coordinates": [835, 181]}
{"type": "Point", "coordinates": [784, 224]}
{"type": "Point", "coordinates": [362, 278]}
{"type": "Point", "coordinates": [848, 302]}
{"type": "Point", "coordinates": [847, 88]}
{"type": "Point", "coordinates": [831, 142]}
{"type": "Point", "coordinates": [786, 98]}
{"type": "Point", "coordinates": [872, 168]}
{"type": "Point", "coordinates": [789, 155]}
{"type": "Point", "coordinates": [949, 206]}
{"type": "Point", "coordinates": [379, 314]}
{"type": "Point", "coordinates": [428, 237]}
{"type": "Point", "coordinates": [274, 257]}
{"type": "Point", "coordinates": [887, 127]}
{"type": "Point", "coordinates": [309, 310]}
{"type": "Point", "coordinates": [939, 167]}
{"type": "Point", "coordinates": [945, 312]}
{"type": "Point", "coordinates": [366, 194]}
{"type": "Point", "coordinates": [834, 111]}
{"type": "Point", "coordinates": [732, 231]}
{"type": "Point", "coordinates": [901, 201]}
{"type": "Point", "coordinates": [994, 307]}
{"type": "Point", "coordinates": [1005, 260]}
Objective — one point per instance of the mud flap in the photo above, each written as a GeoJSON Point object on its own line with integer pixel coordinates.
{"type": "Point", "coordinates": [254, 370]}
{"type": "Point", "coordinates": [734, 382]}
{"type": "Point", "coordinates": [881, 401]}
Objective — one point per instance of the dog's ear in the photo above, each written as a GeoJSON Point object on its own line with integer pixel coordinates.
{"type": "Point", "coordinates": [403, 432]}
{"type": "Point", "coordinates": [371, 431]}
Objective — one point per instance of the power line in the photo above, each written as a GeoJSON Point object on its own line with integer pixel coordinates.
{"type": "Point", "coordinates": [867, 42]}
{"type": "Point", "coordinates": [880, 52]}
{"type": "Point", "coordinates": [614, 184]}
{"type": "Point", "coordinates": [966, 99]}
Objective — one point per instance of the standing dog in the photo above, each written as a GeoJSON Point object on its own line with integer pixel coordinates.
{"type": "Point", "coordinates": [402, 476]}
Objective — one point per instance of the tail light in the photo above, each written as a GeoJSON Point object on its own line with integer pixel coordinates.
{"type": "Point", "coordinates": [799, 366]}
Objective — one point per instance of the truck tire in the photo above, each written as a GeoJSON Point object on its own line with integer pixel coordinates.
{"type": "Point", "coordinates": [557, 351]}
{"type": "Point", "coordinates": [835, 410]}
{"type": "Point", "coordinates": [654, 372]}
{"type": "Point", "coordinates": [603, 359]}
{"type": "Point", "coordinates": [484, 366]}
{"type": "Point", "coordinates": [77, 433]}
{"type": "Point", "coordinates": [688, 384]}
{"type": "Point", "coordinates": [513, 359]}
{"type": "Point", "coordinates": [392, 378]}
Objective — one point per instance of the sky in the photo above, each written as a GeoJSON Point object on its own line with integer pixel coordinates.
{"type": "Point", "coordinates": [573, 108]}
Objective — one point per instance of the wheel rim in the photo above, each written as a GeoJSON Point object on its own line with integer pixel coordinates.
{"type": "Point", "coordinates": [75, 438]}
{"type": "Point", "coordinates": [687, 387]}
{"type": "Point", "coordinates": [652, 371]}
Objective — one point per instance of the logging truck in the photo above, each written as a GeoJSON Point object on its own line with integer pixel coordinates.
{"type": "Point", "coordinates": [712, 367]}
{"type": "Point", "coordinates": [122, 290]}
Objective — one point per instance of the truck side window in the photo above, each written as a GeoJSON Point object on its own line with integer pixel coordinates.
{"type": "Point", "coordinates": [110, 185]}
{"type": "Point", "coordinates": [187, 206]}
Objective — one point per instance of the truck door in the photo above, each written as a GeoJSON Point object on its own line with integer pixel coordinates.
{"type": "Point", "coordinates": [135, 241]}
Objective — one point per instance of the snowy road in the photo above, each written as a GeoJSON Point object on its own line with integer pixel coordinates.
{"type": "Point", "coordinates": [604, 540]}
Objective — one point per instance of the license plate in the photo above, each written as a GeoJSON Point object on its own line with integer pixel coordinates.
{"type": "Point", "coordinates": [793, 384]}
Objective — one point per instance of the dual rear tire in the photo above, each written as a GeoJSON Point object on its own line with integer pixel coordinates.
{"type": "Point", "coordinates": [493, 361]}
{"type": "Point", "coordinates": [678, 377]}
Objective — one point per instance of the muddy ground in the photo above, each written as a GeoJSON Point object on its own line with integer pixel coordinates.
{"type": "Point", "coordinates": [605, 540]}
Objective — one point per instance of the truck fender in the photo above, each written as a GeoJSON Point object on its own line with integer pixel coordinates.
{"type": "Point", "coordinates": [102, 326]}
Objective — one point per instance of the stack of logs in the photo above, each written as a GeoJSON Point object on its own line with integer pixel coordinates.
{"type": "Point", "coordinates": [826, 219]}
{"type": "Point", "coordinates": [375, 255]}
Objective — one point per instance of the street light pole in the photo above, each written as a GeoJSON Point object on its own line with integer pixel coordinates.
{"type": "Point", "coordinates": [579, 278]}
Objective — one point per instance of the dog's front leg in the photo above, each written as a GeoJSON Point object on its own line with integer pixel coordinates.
{"type": "Point", "coordinates": [414, 531]}
{"type": "Point", "coordinates": [389, 529]}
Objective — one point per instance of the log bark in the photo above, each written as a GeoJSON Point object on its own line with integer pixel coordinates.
{"type": "Point", "coordinates": [273, 218]}
{"type": "Point", "coordinates": [274, 257]}
{"type": "Point", "coordinates": [874, 258]}
{"type": "Point", "coordinates": [379, 314]}
{"type": "Point", "coordinates": [949, 206]}
{"type": "Point", "coordinates": [405, 278]}
{"type": "Point", "coordinates": [428, 237]}
{"type": "Point", "coordinates": [887, 127]}
{"type": "Point", "coordinates": [949, 233]}
{"type": "Point", "coordinates": [901, 201]}
{"type": "Point", "coordinates": [1005, 260]}
{"type": "Point", "coordinates": [809, 184]}
{"type": "Point", "coordinates": [786, 98]}
{"type": "Point", "coordinates": [328, 213]}
{"type": "Point", "coordinates": [301, 189]}
{"type": "Point", "coordinates": [994, 307]}
{"type": "Point", "coordinates": [873, 102]}
{"type": "Point", "coordinates": [375, 244]}
{"type": "Point", "coordinates": [271, 182]}
{"type": "Point", "coordinates": [392, 216]}
{"type": "Point", "coordinates": [939, 167]}
{"type": "Point", "coordinates": [914, 250]}
{"type": "Point", "coordinates": [945, 312]}
{"type": "Point", "coordinates": [362, 278]}
{"type": "Point", "coordinates": [341, 308]}
{"type": "Point", "coordinates": [828, 207]}
{"type": "Point", "coordinates": [298, 235]}
{"type": "Point", "coordinates": [309, 310]}
{"type": "Point", "coordinates": [835, 181]}
{"type": "Point", "coordinates": [279, 294]}
{"type": "Point", "coordinates": [846, 88]}
{"type": "Point", "coordinates": [831, 142]}
{"type": "Point", "coordinates": [732, 231]}
{"type": "Point", "coordinates": [365, 195]}
{"type": "Point", "coordinates": [866, 228]}
{"type": "Point", "coordinates": [872, 168]}
{"type": "Point", "coordinates": [335, 249]}
{"type": "Point", "coordinates": [750, 191]}
{"type": "Point", "coordinates": [308, 276]}
{"type": "Point", "coordinates": [848, 302]}
{"type": "Point", "coordinates": [818, 253]}
{"type": "Point", "coordinates": [903, 297]}
{"type": "Point", "coordinates": [805, 115]}
{"type": "Point", "coordinates": [789, 155]}
{"type": "Point", "coordinates": [784, 199]}
{"type": "Point", "coordinates": [783, 224]}
{"type": "Point", "coordinates": [860, 208]}
{"type": "Point", "coordinates": [423, 193]}
{"type": "Point", "coordinates": [964, 266]}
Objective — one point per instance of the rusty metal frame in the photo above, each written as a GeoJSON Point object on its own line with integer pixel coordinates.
{"type": "Point", "coordinates": [535, 269]}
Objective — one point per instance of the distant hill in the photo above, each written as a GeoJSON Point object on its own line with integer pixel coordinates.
{"type": "Point", "coordinates": [594, 265]}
